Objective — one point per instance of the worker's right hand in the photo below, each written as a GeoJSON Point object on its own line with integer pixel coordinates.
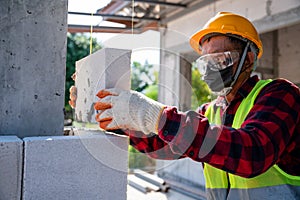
{"type": "Point", "coordinates": [127, 110]}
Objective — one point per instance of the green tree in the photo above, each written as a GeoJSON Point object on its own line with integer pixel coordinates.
{"type": "Point", "coordinates": [201, 92]}
{"type": "Point", "coordinates": [142, 76]}
{"type": "Point", "coordinates": [152, 92]}
{"type": "Point", "coordinates": [78, 47]}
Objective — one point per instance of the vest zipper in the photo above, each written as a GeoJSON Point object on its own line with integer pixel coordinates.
{"type": "Point", "coordinates": [228, 187]}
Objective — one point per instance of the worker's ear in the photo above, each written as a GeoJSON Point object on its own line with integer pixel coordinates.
{"type": "Point", "coordinates": [249, 61]}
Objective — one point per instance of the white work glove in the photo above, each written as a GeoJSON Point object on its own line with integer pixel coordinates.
{"type": "Point", "coordinates": [129, 110]}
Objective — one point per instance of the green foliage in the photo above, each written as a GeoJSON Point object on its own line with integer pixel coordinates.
{"type": "Point", "coordinates": [138, 160]}
{"type": "Point", "coordinates": [78, 47]}
{"type": "Point", "coordinates": [142, 76]}
{"type": "Point", "coordinates": [201, 93]}
{"type": "Point", "coordinates": [152, 92]}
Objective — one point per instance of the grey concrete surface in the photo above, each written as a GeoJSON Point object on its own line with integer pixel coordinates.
{"type": "Point", "coordinates": [90, 166]}
{"type": "Point", "coordinates": [32, 67]}
{"type": "Point", "coordinates": [11, 150]}
{"type": "Point", "coordinates": [106, 68]}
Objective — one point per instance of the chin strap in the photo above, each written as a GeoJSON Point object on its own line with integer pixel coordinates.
{"type": "Point", "coordinates": [240, 66]}
{"type": "Point", "coordinates": [253, 49]}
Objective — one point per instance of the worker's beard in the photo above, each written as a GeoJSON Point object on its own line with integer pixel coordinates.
{"type": "Point", "coordinates": [219, 82]}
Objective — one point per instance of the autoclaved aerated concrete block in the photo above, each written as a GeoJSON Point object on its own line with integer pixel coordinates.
{"type": "Point", "coordinates": [11, 150]}
{"type": "Point", "coordinates": [106, 68]}
{"type": "Point", "coordinates": [89, 167]}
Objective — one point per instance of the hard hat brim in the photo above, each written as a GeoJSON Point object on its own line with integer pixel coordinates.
{"type": "Point", "coordinates": [196, 39]}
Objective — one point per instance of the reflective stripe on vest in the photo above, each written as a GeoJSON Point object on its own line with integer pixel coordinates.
{"type": "Point", "coordinates": [262, 186]}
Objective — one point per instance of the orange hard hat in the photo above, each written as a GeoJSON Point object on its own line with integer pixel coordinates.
{"type": "Point", "coordinates": [229, 24]}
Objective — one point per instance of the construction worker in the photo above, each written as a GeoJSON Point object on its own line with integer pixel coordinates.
{"type": "Point", "coordinates": [248, 138]}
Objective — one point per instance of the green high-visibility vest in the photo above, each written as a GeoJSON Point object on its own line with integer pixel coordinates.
{"type": "Point", "coordinates": [272, 184]}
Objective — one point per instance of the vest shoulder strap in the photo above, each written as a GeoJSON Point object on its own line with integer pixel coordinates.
{"type": "Point", "coordinates": [247, 103]}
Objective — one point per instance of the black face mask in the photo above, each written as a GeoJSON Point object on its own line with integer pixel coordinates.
{"type": "Point", "coordinates": [218, 80]}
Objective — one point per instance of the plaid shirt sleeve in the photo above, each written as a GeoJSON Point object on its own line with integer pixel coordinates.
{"type": "Point", "coordinates": [269, 134]}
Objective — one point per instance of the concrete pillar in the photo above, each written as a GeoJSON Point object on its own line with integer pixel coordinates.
{"type": "Point", "coordinates": [289, 52]}
{"type": "Point", "coordinates": [11, 162]}
{"type": "Point", "coordinates": [185, 83]}
{"type": "Point", "coordinates": [168, 76]}
{"type": "Point", "coordinates": [175, 80]}
{"type": "Point", "coordinates": [89, 166]}
{"type": "Point", "coordinates": [32, 67]}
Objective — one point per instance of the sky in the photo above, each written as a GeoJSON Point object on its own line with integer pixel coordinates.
{"type": "Point", "coordinates": [88, 6]}
{"type": "Point", "coordinates": [144, 46]}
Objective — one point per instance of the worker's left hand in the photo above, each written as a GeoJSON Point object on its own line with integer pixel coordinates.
{"type": "Point", "coordinates": [73, 93]}
{"type": "Point", "coordinates": [73, 96]}
{"type": "Point", "coordinates": [129, 110]}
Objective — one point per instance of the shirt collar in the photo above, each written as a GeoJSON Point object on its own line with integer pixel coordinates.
{"type": "Point", "coordinates": [247, 87]}
{"type": "Point", "coordinates": [242, 93]}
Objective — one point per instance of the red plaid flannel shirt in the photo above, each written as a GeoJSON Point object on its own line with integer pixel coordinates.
{"type": "Point", "coordinates": [269, 135]}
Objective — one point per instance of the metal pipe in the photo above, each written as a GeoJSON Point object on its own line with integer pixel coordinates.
{"type": "Point", "coordinates": [114, 16]}
{"type": "Point", "coordinates": [158, 2]}
{"type": "Point", "coordinates": [72, 28]}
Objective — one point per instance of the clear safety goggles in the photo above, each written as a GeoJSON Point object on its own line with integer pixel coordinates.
{"type": "Point", "coordinates": [216, 61]}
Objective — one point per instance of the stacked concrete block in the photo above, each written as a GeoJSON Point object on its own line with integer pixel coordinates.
{"type": "Point", "coordinates": [11, 152]}
{"type": "Point", "coordinates": [89, 166]}
{"type": "Point", "coordinates": [106, 68]}
{"type": "Point", "coordinates": [32, 67]}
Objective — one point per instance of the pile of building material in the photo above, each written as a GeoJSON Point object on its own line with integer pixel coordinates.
{"type": "Point", "coordinates": [146, 182]}
{"type": "Point", "coordinates": [171, 188]}
{"type": "Point", "coordinates": [186, 188]}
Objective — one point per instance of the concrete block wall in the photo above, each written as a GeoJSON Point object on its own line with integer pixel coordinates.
{"type": "Point", "coordinates": [32, 67]}
{"type": "Point", "coordinates": [75, 167]}
{"type": "Point", "coordinates": [11, 152]}
{"type": "Point", "coordinates": [91, 165]}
